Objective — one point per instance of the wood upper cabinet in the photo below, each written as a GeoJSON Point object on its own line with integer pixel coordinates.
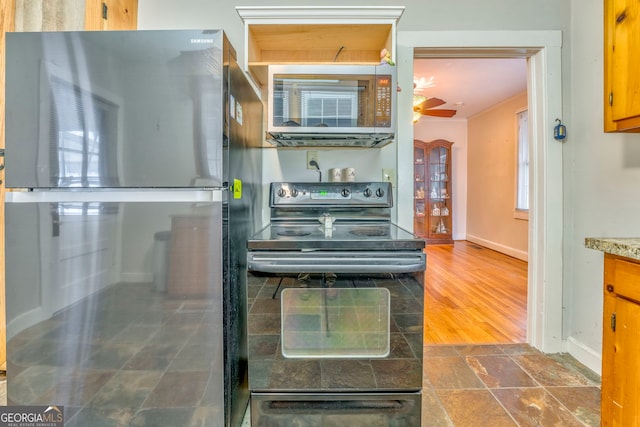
{"type": "Point", "coordinates": [621, 64]}
{"type": "Point", "coordinates": [621, 342]}
{"type": "Point", "coordinates": [111, 15]}
{"type": "Point", "coordinates": [432, 216]}
{"type": "Point", "coordinates": [316, 35]}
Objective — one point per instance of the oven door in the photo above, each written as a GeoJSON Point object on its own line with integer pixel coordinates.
{"type": "Point", "coordinates": [352, 348]}
{"type": "Point", "coordinates": [311, 261]}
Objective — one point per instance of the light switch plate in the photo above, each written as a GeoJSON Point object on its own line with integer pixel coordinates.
{"type": "Point", "coordinates": [389, 175]}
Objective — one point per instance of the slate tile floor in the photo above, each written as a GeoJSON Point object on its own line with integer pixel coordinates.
{"type": "Point", "coordinates": [496, 385]}
{"type": "Point", "coordinates": [506, 385]}
{"type": "Point", "coordinates": [464, 385]}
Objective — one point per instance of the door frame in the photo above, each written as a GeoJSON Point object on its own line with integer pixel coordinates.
{"type": "Point", "coordinates": [543, 52]}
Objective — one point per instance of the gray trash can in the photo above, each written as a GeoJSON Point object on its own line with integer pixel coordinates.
{"type": "Point", "coordinates": [161, 241]}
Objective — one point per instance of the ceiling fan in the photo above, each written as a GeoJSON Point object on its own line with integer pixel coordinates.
{"type": "Point", "coordinates": [423, 106]}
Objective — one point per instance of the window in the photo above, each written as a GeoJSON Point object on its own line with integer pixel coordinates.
{"type": "Point", "coordinates": [522, 174]}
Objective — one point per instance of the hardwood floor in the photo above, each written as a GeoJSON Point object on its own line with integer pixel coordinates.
{"type": "Point", "coordinates": [474, 295]}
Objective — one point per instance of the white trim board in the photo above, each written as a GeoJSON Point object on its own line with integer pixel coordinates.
{"type": "Point", "coordinates": [507, 250]}
{"type": "Point", "coordinates": [586, 356]}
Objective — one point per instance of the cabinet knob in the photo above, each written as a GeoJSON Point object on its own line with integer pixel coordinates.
{"type": "Point", "coordinates": [609, 287]}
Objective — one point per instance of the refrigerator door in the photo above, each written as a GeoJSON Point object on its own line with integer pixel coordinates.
{"type": "Point", "coordinates": [118, 109]}
{"type": "Point", "coordinates": [115, 306]}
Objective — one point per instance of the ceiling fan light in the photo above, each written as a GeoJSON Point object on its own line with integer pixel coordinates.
{"type": "Point", "coordinates": [422, 83]}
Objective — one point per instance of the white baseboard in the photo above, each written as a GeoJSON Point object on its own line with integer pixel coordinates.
{"type": "Point", "coordinates": [507, 250]}
{"type": "Point", "coordinates": [583, 354]}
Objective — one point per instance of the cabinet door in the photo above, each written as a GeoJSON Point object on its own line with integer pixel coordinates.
{"type": "Point", "coordinates": [626, 365]}
{"type": "Point", "coordinates": [608, 359]}
{"type": "Point", "coordinates": [111, 15]}
{"type": "Point", "coordinates": [622, 60]}
{"type": "Point", "coordinates": [419, 189]}
{"type": "Point", "coordinates": [439, 172]}
{"type": "Point", "coordinates": [432, 216]}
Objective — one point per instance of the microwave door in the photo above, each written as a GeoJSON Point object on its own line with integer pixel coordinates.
{"type": "Point", "coordinates": [331, 105]}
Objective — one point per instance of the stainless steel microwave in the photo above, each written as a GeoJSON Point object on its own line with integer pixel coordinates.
{"type": "Point", "coordinates": [332, 105]}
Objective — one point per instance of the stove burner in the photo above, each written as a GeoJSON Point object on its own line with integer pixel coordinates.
{"type": "Point", "coordinates": [293, 233]}
{"type": "Point", "coordinates": [369, 231]}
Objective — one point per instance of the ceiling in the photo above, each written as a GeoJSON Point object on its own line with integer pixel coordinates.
{"type": "Point", "coordinates": [470, 85]}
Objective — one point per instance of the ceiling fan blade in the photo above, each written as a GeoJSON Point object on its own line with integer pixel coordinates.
{"type": "Point", "coordinates": [431, 103]}
{"type": "Point", "coordinates": [440, 113]}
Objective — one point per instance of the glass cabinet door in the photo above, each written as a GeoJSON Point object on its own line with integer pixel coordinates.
{"type": "Point", "coordinates": [436, 190]}
{"type": "Point", "coordinates": [419, 190]}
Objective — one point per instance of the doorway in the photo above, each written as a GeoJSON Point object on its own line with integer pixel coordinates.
{"type": "Point", "coordinates": [473, 103]}
{"type": "Point", "coordinates": [542, 50]}
{"type": "Point", "coordinates": [481, 97]}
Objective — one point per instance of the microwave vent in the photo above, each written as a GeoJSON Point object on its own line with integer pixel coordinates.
{"type": "Point", "coordinates": [349, 140]}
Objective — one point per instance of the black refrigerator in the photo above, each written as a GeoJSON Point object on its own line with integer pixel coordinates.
{"type": "Point", "coordinates": [135, 163]}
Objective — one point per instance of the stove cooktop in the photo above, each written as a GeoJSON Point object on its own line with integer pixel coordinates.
{"type": "Point", "coordinates": [311, 235]}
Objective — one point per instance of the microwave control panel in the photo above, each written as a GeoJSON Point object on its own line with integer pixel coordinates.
{"type": "Point", "coordinates": [383, 101]}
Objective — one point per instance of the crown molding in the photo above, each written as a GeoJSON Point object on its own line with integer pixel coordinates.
{"type": "Point", "coordinates": [334, 13]}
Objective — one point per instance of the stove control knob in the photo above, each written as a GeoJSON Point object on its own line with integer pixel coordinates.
{"type": "Point", "coordinates": [345, 192]}
{"type": "Point", "coordinates": [379, 192]}
{"type": "Point", "coordinates": [282, 192]}
{"type": "Point", "coordinates": [367, 192]}
{"type": "Point", "coordinates": [294, 192]}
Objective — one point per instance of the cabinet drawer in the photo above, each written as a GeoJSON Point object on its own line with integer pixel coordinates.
{"type": "Point", "coordinates": [626, 280]}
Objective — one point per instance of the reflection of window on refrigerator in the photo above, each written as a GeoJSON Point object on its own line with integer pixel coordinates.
{"type": "Point", "coordinates": [332, 109]}
{"type": "Point", "coordinates": [83, 137]}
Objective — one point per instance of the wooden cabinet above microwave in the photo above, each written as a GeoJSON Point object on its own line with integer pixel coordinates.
{"type": "Point", "coordinates": [316, 35]}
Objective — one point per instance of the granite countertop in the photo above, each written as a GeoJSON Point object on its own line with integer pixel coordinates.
{"type": "Point", "coordinates": [626, 247]}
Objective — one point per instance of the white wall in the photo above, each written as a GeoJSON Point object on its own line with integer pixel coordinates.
{"type": "Point", "coordinates": [428, 129]}
{"type": "Point", "coordinates": [601, 172]}
{"type": "Point", "coordinates": [418, 15]}
{"type": "Point", "coordinates": [492, 171]}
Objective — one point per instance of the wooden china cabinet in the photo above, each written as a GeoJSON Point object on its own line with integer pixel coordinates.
{"type": "Point", "coordinates": [432, 191]}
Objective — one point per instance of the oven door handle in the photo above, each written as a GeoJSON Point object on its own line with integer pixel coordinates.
{"type": "Point", "coordinates": [336, 261]}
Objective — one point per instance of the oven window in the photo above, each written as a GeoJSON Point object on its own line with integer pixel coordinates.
{"type": "Point", "coordinates": [335, 322]}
